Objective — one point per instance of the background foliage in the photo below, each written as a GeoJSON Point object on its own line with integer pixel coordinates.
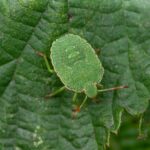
{"type": "Point", "coordinates": [118, 29]}
{"type": "Point", "coordinates": [128, 136]}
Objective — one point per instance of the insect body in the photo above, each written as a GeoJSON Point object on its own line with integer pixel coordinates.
{"type": "Point", "coordinates": [77, 65]}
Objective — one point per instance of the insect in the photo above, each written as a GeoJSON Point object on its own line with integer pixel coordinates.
{"type": "Point", "coordinates": [78, 67]}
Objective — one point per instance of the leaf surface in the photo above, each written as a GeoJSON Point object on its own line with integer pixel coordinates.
{"type": "Point", "coordinates": [119, 29]}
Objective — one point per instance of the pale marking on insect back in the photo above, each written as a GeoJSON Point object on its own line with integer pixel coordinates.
{"type": "Point", "coordinates": [68, 49]}
{"type": "Point", "coordinates": [73, 56]}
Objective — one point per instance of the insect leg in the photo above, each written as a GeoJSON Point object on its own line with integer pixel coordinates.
{"type": "Point", "coordinates": [56, 92]}
{"type": "Point", "coordinates": [78, 108]}
{"type": "Point", "coordinates": [82, 104]}
{"type": "Point", "coordinates": [74, 97]}
{"type": "Point", "coordinates": [46, 61]}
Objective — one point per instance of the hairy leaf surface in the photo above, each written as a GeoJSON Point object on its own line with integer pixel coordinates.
{"type": "Point", "coordinates": [119, 30]}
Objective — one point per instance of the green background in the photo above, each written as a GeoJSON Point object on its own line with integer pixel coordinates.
{"type": "Point", "coordinates": [118, 29]}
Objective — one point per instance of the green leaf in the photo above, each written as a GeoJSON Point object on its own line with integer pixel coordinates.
{"type": "Point", "coordinates": [119, 29]}
{"type": "Point", "coordinates": [129, 137]}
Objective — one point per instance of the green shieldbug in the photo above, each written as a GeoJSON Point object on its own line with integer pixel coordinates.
{"type": "Point", "coordinates": [77, 65]}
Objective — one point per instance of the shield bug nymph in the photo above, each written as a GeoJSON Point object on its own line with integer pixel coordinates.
{"type": "Point", "coordinates": [77, 65]}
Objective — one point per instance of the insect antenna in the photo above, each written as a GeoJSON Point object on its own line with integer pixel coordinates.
{"type": "Point", "coordinates": [114, 88]}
